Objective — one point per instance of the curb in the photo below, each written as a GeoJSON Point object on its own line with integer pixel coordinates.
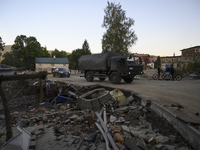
{"type": "Point", "coordinates": [187, 131]}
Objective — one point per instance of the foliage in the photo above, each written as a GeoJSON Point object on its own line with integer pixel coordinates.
{"type": "Point", "coordinates": [77, 53]}
{"type": "Point", "coordinates": [45, 53]}
{"type": "Point", "coordinates": [119, 36]}
{"type": "Point", "coordinates": [59, 54]}
{"type": "Point", "coordinates": [2, 45]}
{"type": "Point", "coordinates": [157, 62]}
{"type": "Point", "coordinates": [192, 66]}
{"type": "Point", "coordinates": [86, 48]}
{"type": "Point", "coordinates": [24, 51]}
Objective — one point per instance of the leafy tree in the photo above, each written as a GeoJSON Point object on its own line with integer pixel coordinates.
{"type": "Point", "coordinates": [157, 62]}
{"type": "Point", "coordinates": [11, 59]}
{"type": "Point", "coordinates": [86, 48]}
{"type": "Point", "coordinates": [119, 36]}
{"type": "Point", "coordinates": [26, 49]}
{"type": "Point", "coordinates": [73, 59]}
{"type": "Point", "coordinates": [45, 53]}
{"type": "Point", "coordinates": [59, 54]}
{"type": "Point", "coordinates": [2, 45]}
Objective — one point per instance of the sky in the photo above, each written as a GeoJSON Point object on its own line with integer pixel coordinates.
{"type": "Point", "coordinates": [163, 27]}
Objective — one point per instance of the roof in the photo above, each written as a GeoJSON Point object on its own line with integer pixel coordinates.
{"type": "Point", "coordinates": [51, 60]}
{"type": "Point", "coordinates": [190, 48]}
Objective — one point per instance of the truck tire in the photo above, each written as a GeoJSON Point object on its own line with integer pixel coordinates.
{"type": "Point", "coordinates": [89, 76]}
{"type": "Point", "coordinates": [102, 79]}
{"type": "Point", "coordinates": [128, 80]}
{"type": "Point", "coordinates": [115, 78]}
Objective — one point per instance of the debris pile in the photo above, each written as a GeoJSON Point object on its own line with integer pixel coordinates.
{"type": "Point", "coordinates": [92, 117]}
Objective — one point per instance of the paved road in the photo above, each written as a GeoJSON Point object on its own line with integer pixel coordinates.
{"type": "Point", "coordinates": [185, 92]}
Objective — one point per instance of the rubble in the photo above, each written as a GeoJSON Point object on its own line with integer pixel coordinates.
{"type": "Point", "coordinates": [92, 118]}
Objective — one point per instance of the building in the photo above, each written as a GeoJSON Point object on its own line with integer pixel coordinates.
{"type": "Point", "coordinates": [190, 54]}
{"type": "Point", "coordinates": [168, 60]}
{"type": "Point", "coordinates": [48, 64]}
{"type": "Point", "coordinates": [147, 60]}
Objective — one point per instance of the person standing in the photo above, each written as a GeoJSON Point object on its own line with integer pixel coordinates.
{"type": "Point", "coordinates": [172, 71]}
{"type": "Point", "coordinates": [159, 72]}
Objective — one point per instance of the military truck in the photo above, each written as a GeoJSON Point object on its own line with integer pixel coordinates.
{"type": "Point", "coordinates": [110, 65]}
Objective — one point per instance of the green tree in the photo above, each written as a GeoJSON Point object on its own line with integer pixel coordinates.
{"type": "Point", "coordinates": [26, 49]}
{"type": "Point", "coordinates": [45, 53]}
{"type": "Point", "coordinates": [157, 62]}
{"type": "Point", "coordinates": [119, 36]}
{"type": "Point", "coordinates": [59, 54]}
{"type": "Point", "coordinates": [2, 45]}
{"type": "Point", "coordinates": [11, 59]}
{"type": "Point", "coordinates": [86, 48]}
{"type": "Point", "coordinates": [73, 58]}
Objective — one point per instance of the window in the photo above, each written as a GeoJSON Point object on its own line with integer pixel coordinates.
{"type": "Point", "coordinates": [166, 60]}
{"type": "Point", "coordinates": [197, 57]}
{"type": "Point", "coordinates": [185, 58]}
{"type": "Point", "coordinates": [52, 64]}
{"type": "Point", "coordinates": [196, 50]}
{"type": "Point", "coordinates": [178, 65]}
{"type": "Point", "coordinates": [199, 49]}
{"type": "Point", "coordinates": [64, 64]}
{"type": "Point", "coordinates": [178, 59]}
{"type": "Point", "coordinates": [188, 58]}
{"type": "Point", "coordinates": [172, 59]}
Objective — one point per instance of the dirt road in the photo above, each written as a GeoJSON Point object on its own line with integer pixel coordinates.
{"type": "Point", "coordinates": [185, 93]}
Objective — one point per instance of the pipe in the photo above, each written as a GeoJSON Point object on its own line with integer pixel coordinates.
{"type": "Point", "coordinates": [104, 135]}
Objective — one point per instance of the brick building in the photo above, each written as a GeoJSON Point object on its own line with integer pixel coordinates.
{"type": "Point", "coordinates": [190, 54]}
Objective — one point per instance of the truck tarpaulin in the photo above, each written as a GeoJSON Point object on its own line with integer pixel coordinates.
{"type": "Point", "coordinates": [95, 61]}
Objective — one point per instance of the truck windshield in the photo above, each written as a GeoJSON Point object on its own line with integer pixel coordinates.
{"type": "Point", "coordinates": [133, 60]}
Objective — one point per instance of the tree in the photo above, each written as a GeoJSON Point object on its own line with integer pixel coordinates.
{"type": "Point", "coordinates": [2, 45]}
{"type": "Point", "coordinates": [73, 59]}
{"type": "Point", "coordinates": [86, 48]}
{"type": "Point", "coordinates": [119, 36]}
{"type": "Point", "coordinates": [45, 53]}
{"type": "Point", "coordinates": [26, 49]}
{"type": "Point", "coordinates": [157, 62]}
{"type": "Point", "coordinates": [59, 54]}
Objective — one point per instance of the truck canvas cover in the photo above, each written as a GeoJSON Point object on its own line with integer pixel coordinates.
{"type": "Point", "coordinates": [95, 61]}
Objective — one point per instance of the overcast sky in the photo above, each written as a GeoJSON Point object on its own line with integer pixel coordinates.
{"type": "Point", "coordinates": [163, 27]}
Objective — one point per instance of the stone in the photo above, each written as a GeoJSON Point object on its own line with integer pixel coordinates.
{"type": "Point", "coordinates": [173, 138]}
{"type": "Point", "coordinates": [119, 137]}
{"type": "Point", "coordinates": [141, 144]}
{"type": "Point", "coordinates": [112, 118]}
{"type": "Point", "coordinates": [162, 139]}
{"type": "Point", "coordinates": [70, 142]}
{"type": "Point", "coordinates": [159, 147]}
{"type": "Point", "coordinates": [152, 141]}
{"type": "Point", "coordinates": [130, 143]}
{"type": "Point", "coordinates": [126, 101]}
{"type": "Point", "coordinates": [119, 145]}
{"type": "Point", "coordinates": [125, 128]}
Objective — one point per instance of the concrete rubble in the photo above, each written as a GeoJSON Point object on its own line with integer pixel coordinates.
{"type": "Point", "coordinates": [92, 119]}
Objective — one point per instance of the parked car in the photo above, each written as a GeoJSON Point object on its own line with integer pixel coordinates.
{"type": "Point", "coordinates": [61, 72]}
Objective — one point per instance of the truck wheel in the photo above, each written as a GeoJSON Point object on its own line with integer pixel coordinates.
{"type": "Point", "coordinates": [89, 77]}
{"type": "Point", "coordinates": [115, 78]}
{"type": "Point", "coordinates": [102, 79]}
{"type": "Point", "coordinates": [128, 80]}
